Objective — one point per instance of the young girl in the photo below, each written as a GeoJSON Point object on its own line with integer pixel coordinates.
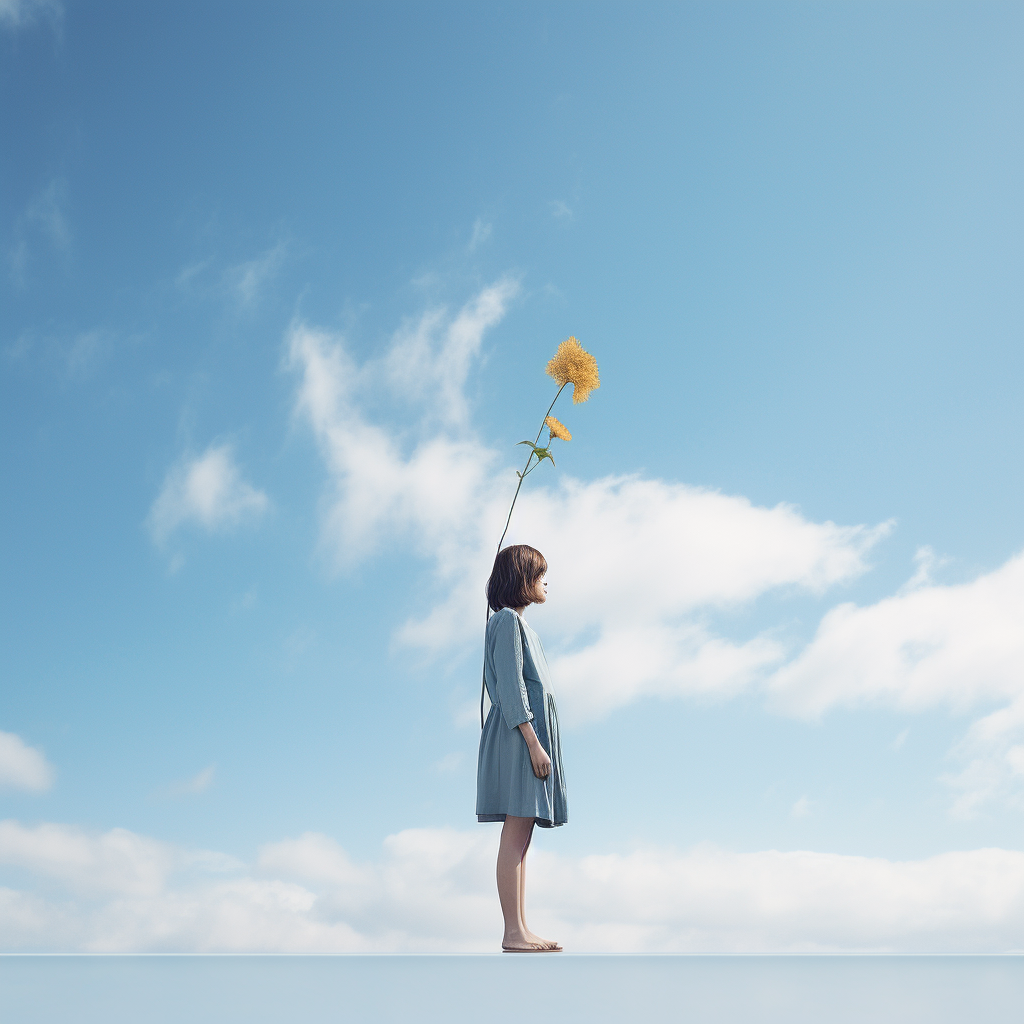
{"type": "Point", "coordinates": [519, 770]}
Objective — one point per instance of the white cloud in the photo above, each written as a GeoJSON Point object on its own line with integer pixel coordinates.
{"type": "Point", "coordinates": [668, 552]}
{"type": "Point", "coordinates": [432, 889]}
{"type": "Point", "coordinates": [481, 232]}
{"type": "Point", "coordinates": [992, 753]}
{"type": "Point", "coordinates": [199, 783]}
{"type": "Point", "coordinates": [639, 565]}
{"type": "Point", "coordinates": [44, 215]}
{"type": "Point", "coordinates": [47, 211]}
{"type": "Point", "coordinates": [86, 349]}
{"type": "Point", "coordinates": [248, 280]}
{"type": "Point", "coordinates": [76, 355]}
{"type": "Point", "coordinates": [662, 659]}
{"type": "Point", "coordinates": [449, 763]}
{"type": "Point", "coordinates": [801, 808]}
{"type": "Point", "coordinates": [18, 13]}
{"type": "Point", "coordinates": [118, 861]}
{"type": "Point", "coordinates": [313, 857]}
{"type": "Point", "coordinates": [712, 899]}
{"type": "Point", "coordinates": [959, 646]}
{"type": "Point", "coordinates": [560, 210]}
{"type": "Point", "coordinates": [190, 272]}
{"type": "Point", "coordinates": [21, 766]}
{"type": "Point", "coordinates": [430, 358]}
{"type": "Point", "coordinates": [17, 259]}
{"type": "Point", "coordinates": [207, 490]}
{"type": "Point", "coordinates": [377, 489]}
{"type": "Point", "coordinates": [953, 645]}
{"type": "Point", "coordinates": [926, 561]}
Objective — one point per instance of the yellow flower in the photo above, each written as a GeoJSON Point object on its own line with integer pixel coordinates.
{"type": "Point", "coordinates": [557, 429]}
{"type": "Point", "coordinates": [573, 364]}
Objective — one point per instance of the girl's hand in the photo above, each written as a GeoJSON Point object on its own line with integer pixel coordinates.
{"type": "Point", "coordinates": [540, 760]}
{"type": "Point", "coordinates": [538, 755]}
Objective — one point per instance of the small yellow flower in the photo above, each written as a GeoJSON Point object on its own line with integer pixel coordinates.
{"type": "Point", "coordinates": [573, 364]}
{"type": "Point", "coordinates": [557, 429]}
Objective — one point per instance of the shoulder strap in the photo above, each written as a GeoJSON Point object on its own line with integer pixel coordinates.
{"type": "Point", "coordinates": [483, 671]}
{"type": "Point", "coordinates": [483, 690]}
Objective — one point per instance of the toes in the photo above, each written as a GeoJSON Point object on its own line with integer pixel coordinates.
{"type": "Point", "coordinates": [537, 945]}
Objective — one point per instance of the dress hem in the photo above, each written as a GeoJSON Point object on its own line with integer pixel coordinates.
{"type": "Point", "coordinates": [542, 822]}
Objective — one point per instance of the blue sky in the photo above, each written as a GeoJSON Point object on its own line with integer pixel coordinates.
{"type": "Point", "coordinates": [279, 286]}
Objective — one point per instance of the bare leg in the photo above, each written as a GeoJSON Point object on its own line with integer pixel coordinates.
{"type": "Point", "coordinates": [515, 838]}
{"type": "Point", "coordinates": [515, 841]}
{"type": "Point", "coordinates": [531, 935]}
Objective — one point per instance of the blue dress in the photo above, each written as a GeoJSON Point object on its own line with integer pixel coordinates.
{"type": "Point", "coordinates": [519, 684]}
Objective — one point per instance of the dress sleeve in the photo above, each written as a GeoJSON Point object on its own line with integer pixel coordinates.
{"type": "Point", "coordinates": [508, 667]}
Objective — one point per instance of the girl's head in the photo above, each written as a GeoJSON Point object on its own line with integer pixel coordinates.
{"type": "Point", "coordinates": [517, 578]}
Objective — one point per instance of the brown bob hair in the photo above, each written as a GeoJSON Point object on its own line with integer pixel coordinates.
{"type": "Point", "coordinates": [516, 569]}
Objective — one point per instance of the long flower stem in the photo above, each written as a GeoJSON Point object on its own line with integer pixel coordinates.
{"type": "Point", "coordinates": [522, 476]}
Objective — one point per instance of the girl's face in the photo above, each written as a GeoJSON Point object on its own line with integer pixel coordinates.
{"type": "Point", "coordinates": [539, 593]}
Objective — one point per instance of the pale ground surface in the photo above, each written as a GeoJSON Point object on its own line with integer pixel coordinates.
{"type": "Point", "coordinates": [696, 989]}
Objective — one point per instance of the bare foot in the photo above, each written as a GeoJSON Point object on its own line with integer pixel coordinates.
{"type": "Point", "coordinates": [527, 943]}
{"type": "Point", "coordinates": [548, 944]}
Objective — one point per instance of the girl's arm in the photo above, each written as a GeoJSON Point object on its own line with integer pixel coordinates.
{"type": "Point", "coordinates": [538, 755]}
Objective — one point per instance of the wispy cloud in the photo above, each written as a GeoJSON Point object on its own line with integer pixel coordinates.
{"type": "Point", "coordinates": [189, 273]}
{"type": "Point", "coordinates": [481, 232]}
{"type": "Point", "coordinates": [925, 562]}
{"type": "Point", "coordinates": [560, 210]}
{"type": "Point", "coordinates": [801, 808]}
{"type": "Point", "coordinates": [119, 863]}
{"type": "Point", "coordinates": [376, 487]}
{"type": "Point", "coordinates": [959, 646]}
{"type": "Point", "coordinates": [954, 645]}
{"type": "Point", "coordinates": [21, 13]}
{"type": "Point", "coordinates": [43, 218]}
{"type": "Point", "coordinates": [47, 211]}
{"type": "Point", "coordinates": [86, 349]}
{"type": "Point", "coordinates": [448, 764]}
{"type": "Point", "coordinates": [430, 358]}
{"type": "Point", "coordinates": [241, 287]}
{"type": "Point", "coordinates": [247, 281]}
{"type": "Point", "coordinates": [992, 755]}
{"type": "Point", "coordinates": [17, 261]}
{"type": "Point", "coordinates": [638, 620]}
{"type": "Point", "coordinates": [668, 552]}
{"type": "Point", "coordinates": [207, 490]}
{"type": "Point", "coordinates": [432, 889]}
{"type": "Point", "coordinates": [23, 767]}
{"type": "Point", "coordinates": [198, 783]}
{"type": "Point", "coordinates": [73, 355]}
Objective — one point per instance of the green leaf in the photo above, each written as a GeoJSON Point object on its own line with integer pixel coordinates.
{"type": "Point", "coordinates": [541, 453]}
